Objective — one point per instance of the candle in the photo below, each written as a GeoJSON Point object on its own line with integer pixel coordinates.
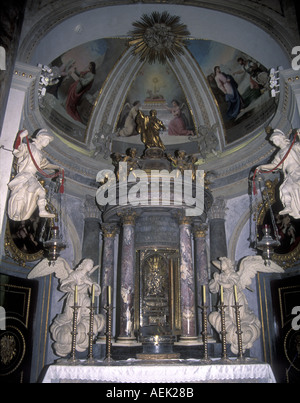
{"type": "Point", "coordinates": [76, 295]}
{"type": "Point", "coordinates": [93, 294]}
{"type": "Point", "coordinates": [204, 294]}
{"type": "Point", "coordinates": [109, 295]}
{"type": "Point", "coordinates": [235, 294]}
{"type": "Point", "coordinates": [222, 296]}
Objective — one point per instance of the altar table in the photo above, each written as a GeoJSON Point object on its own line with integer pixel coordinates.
{"type": "Point", "coordinates": [168, 371]}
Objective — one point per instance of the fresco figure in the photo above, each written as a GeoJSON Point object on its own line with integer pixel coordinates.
{"type": "Point", "coordinates": [177, 126]}
{"type": "Point", "coordinates": [62, 72]}
{"type": "Point", "coordinates": [78, 88]}
{"type": "Point", "coordinates": [129, 128]}
{"type": "Point", "coordinates": [258, 74]}
{"type": "Point", "coordinates": [228, 86]}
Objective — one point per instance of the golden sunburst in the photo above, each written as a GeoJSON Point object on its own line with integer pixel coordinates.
{"type": "Point", "coordinates": [158, 37]}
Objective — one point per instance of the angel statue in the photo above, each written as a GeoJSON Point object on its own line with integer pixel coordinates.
{"type": "Point", "coordinates": [26, 192]}
{"type": "Point", "coordinates": [148, 127]}
{"type": "Point", "coordinates": [228, 278]}
{"type": "Point", "coordinates": [62, 325]}
{"type": "Point", "coordinates": [287, 160]}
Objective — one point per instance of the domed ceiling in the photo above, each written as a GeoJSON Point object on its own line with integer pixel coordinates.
{"type": "Point", "coordinates": [243, 100]}
{"type": "Point", "coordinates": [219, 79]}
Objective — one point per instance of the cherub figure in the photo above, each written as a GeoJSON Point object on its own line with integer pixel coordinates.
{"type": "Point", "coordinates": [191, 163]}
{"type": "Point", "coordinates": [116, 158]}
{"type": "Point", "coordinates": [180, 160]}
{"type": "Point", "coordinates": [61, 327]}
{"type": "Point", "coordinates": [228, 278]}
{"type": "Point", "coordinates": [132, 160]}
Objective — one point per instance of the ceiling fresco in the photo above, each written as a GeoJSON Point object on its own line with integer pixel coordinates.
{"type": "Point", "coordinates": [238, 84]}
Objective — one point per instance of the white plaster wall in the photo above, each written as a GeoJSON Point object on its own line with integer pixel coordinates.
{"type": "Point", "coordinates": [237, 227]}
{"type": "Point", "coordinates": [116, 21]}
{"type": "Point", "coordinates": [9, 131]}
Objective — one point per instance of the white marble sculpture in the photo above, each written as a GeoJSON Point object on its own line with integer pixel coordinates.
{"type": "Point", "coordinates": [26, 192]}
{"type": "Point", "coordinates": [228, 278]}
{"type": "Point", "coordinates": [61, 327]}
{"type": "Point", "coordinates": [290, 188]}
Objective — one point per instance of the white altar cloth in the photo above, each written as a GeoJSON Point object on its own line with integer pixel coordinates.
{"type": "Point", "coordinates": [172, 371]}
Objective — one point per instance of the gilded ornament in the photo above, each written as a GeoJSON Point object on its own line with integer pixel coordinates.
{"type": "Point", "coordinates": [8, 349]}
{"type": "Point", "coordinates": [158, 37]}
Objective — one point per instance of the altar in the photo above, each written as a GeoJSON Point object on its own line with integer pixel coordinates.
{"type": "Point", "coordinates": [164, 371]}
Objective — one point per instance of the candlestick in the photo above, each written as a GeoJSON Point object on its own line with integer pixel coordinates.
{"type": "Point", "coordinates": [204, 294]}
{"type": "Point", "coordinates": [93, 294]}
{"type": "Point", "coordinates": [206, 359]}
{"type": "Point", "coordinates": [239, 331]}
{"type": "Point", "coordinates": [91, 359]}
{"type": "Point", "coordinates": [108, 357]}
{"type": "Point", "coordinates": [223, 332]}
{"type": "Point", "coordinates": [109, 295]}
{"type": "Point", "coordinates": [76, 295]}
{"type": "Point", "coordinates": [235, 294]}
{"type": "Point", "coordinates": [73, 359]}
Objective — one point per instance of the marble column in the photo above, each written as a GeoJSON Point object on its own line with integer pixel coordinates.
{"type": "Point", "coordinates": [128, 257]}
{"type": "Point", "coordinates": [217, 236]}
{"type": "Point", "coordinates": [91, 243]}
{"type": "Point", "coordinates": [201, 267]}
{"type": "Point", "coordinates": [109, 232]}
{"type": "Point", "coordinates": [218, 242]}
{"type": "Point", "coordinates": [187, 283]}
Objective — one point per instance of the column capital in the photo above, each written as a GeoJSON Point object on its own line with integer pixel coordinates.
{"type": "Point", "coordinates": [218, 209]}
{"type": "Point", "coordinates": [185, 221]}
{"type": "Point", "coordinates": [128, 217]}
{"type": "Point", "coordinates": [109, 230]}
{"type": "Point", "coordinates": [199, 230]}
{"type": "Point", "coordinates": [90, 209]}
{"type": "Point", "coordinates": [182, 218]}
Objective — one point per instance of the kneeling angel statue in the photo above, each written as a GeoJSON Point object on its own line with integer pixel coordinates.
{"type": "Point", "coordinates": [228, 278]}
{"type": "Point", "coordinates": [61, 328]}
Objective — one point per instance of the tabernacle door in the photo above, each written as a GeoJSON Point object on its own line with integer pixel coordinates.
{"type": "Point", "coordinates": [159, 292]}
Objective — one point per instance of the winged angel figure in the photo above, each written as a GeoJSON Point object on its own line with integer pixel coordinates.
{"type": "Point", "coordinates": [250, 324]}
{"type": "Point", "coordinates": [61, 327]}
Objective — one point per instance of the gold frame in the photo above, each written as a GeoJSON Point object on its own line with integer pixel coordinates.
{"type": "Point", "coordinates": [285, 260]}
{"type": "Point", "coordinates": [172, 258]}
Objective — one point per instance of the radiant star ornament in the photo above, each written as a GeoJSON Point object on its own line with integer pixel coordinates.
{"type": "Point", "coordinates": [158, 37]}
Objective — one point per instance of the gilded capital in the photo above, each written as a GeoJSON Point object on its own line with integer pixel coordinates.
{"type": "Point", "coordinates": [199, 230]}
{"type": "Point", "coordinates": [128, 217]}
{"type": "Point", "coordinates": [185, 220]}
{"type": "Point", "coordinates": [109, 230]}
